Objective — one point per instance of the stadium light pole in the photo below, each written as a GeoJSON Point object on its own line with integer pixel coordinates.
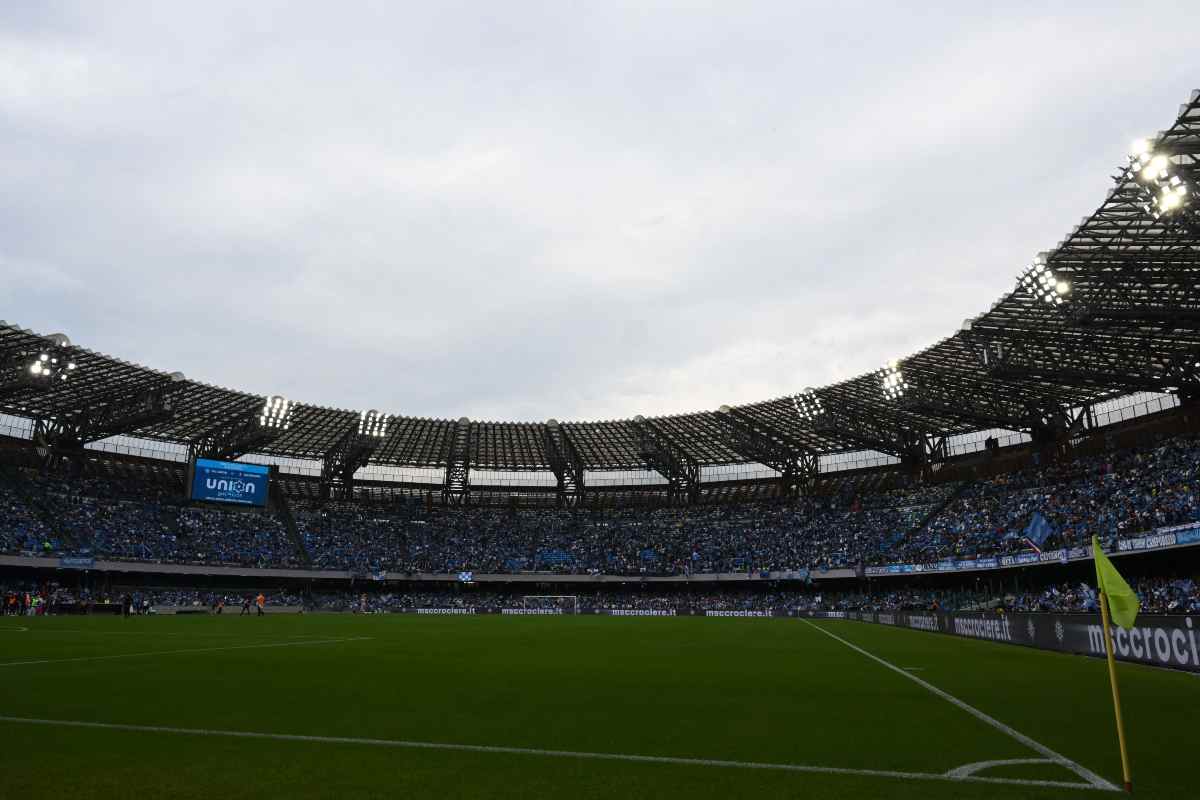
{"type": "Point", "coordinates": [352, 452]}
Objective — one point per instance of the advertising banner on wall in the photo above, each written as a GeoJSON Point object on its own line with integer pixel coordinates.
{"type": "Point", "coordinates": [1159, 539]}
{"type": "Point", "coordinates": [1161, 641]}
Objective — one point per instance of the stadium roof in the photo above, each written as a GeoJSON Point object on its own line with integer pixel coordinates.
{"type": "Point", "coordinates": [1112, 309]}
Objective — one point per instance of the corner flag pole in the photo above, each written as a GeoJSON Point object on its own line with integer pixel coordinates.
{"type": "Point", "coordinates": [1116, 692]}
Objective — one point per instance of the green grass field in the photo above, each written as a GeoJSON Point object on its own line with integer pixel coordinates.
{"type": "Point", "coordinates": [771, 692]}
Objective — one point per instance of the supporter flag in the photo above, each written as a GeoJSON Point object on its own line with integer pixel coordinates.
{"type": "Point", "coordinates": [1122, 601]}
{"type": "Point", "coordinates": [466, 576]}
{"type": "Point", "coordinates": [1089, 597]}
{"type": "Point", "coordinates": [1037, 530]}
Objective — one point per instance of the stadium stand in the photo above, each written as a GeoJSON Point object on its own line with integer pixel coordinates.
{"type": "Point", "coordinates": [1115, 493]}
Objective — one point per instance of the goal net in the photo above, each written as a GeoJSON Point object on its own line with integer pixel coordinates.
{"type": "Point", "coordinates": [551, 603]}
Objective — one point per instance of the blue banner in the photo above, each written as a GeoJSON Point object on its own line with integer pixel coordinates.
{"type": "Point", "coordinates": [1188, 536]}
{"type": "Point", "coordinates": [230, 482]}
{"type": "Point", "coordinates": [77, 562]}
{"type": "Point", "coordinates": [1188, 533]}
{"type": "Point", "coordinates": [1038, 529]}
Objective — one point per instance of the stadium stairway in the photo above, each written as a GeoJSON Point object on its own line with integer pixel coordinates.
{"type": "Point", "coordinates": [938, 509]}
{"type": "Point", "coordinates": [281, 507]}
{"type": "Point", "coordinates": [169, 514]}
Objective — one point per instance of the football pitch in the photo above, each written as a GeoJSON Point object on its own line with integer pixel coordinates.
{"type": "Point", "coordinates": [391, 706]}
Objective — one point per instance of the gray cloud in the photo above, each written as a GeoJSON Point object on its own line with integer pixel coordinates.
{"type": "Point", "coordinates": [524, 211]}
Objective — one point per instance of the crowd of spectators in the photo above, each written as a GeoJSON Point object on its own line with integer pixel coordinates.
{"type": "Point", "coordinates": [818, 532]}
{"type": "Point", "coordinates": [1115, 494]}
{"type": "Point", "coordinates": [21, 530]}
{"type": "Point", "coordinates": [35, 598]}
{"type": "Point", "coordinates": [131, 521]}
{"type": "Point", "coordinates": [1157, 596]}
{"type": "Point", "coordinates": [247, 538]}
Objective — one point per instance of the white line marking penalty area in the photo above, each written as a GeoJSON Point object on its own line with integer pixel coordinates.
{"type": "Point", "coordinates": [1092, 778]}
{"type": "Point", "coordinates": [529, 751]}
{"type": "Point", "coordinates": [179, 652]}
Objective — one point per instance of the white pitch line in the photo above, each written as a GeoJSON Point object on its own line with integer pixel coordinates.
{"type": "Point", "coordinates": [979, 766]}
{"type": "Point", "coordinates": [531, 751]}
{"type": "Point", "coordinates": [178, 652]}
{"type": "Point", "coordinates": [16, 630]}
{"type": "Point", "coordinates": [1080, 770]}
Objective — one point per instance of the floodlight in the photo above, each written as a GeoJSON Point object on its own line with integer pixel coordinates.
{"type": "Point", "coordinates": [47, 367]}
{"type": "Point", "coordinates": [373, 423]}
{"type": "Point", "coordinates": [892, 381]}
{"type": "Point", "coordinates": [276, 413]}
{"type": "Point", "coordinates": [808, 405]}
{"type": "Point", "coordinates": [1041, 282]}
{"type": "Point", "coordinates": [1155, 168]}
{"type": "Point", "coordinates": [1167, 191]}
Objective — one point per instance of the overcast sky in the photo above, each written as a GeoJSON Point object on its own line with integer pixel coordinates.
{"type": "Point", "coordinates": [518, 211]}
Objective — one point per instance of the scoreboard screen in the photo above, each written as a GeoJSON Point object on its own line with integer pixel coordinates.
{"type": "Point", "coordinates": [229, 482]}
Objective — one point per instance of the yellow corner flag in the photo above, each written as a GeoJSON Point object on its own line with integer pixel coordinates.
{"type": "Point", "coordinates": [1122, 601]}
{"type": "Point", "coordinates": [1115, 595]}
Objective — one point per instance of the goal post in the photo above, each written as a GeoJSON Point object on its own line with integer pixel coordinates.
{"type": "Point", "coordinates": [564, 603]}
